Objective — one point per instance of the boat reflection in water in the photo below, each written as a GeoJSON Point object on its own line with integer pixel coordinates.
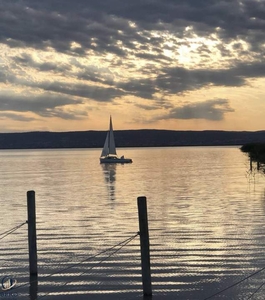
{"type": "Point", "coordinates": [109, 171]}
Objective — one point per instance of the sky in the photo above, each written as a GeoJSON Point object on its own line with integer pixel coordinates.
{"type": "Point", "coordinates": [161, 64]}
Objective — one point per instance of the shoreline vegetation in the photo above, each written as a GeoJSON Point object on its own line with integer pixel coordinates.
{"type": "Point", "coordinates": [129, 138]}
{"type": "Point", "coordinates": [256, 153]}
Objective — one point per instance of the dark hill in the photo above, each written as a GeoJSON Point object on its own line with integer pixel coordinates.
{"type": "Point", "coordinates": [128, 138]}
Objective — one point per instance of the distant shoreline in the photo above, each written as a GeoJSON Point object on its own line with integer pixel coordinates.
{"type": "Point", "coordinates": [124, 147]}
{"type": "Point", "coordinates": [128, 138]}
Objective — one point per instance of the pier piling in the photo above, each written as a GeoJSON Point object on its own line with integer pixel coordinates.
{"type": "Point", "coordinates": [145, 251]}
{"type": "Point", "coordinates": [32, 237]}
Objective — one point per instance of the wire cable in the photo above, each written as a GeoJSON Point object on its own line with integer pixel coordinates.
{"type": "Point", "coordinates": [8, 232]}
{"type": "Point", "coordinates": [240, 281]}
{"type": "Point", "coordinates": [256, 291]}
{"type": "Point", "coordinates": [79, 263]}
{"type": "Point", "coordinates": [100, 253]}
{"type": "Point", "coordinates": [97, 264]}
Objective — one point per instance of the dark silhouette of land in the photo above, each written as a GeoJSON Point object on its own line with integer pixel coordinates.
{"type": "Point", "coordinates": [128, 138]}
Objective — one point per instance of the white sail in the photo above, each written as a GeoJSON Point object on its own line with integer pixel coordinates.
{"type": "Point", "coordinates": [112, 148]}
{"type": "Point", "coordinates": [108, 154]}
{"type": "Point", "coordinates": [105, 150]}
{"type": "Point", "coordinates": [109, 145]}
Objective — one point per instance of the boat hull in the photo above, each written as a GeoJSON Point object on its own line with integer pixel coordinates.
{"type": "Point", "coordinates": [115, 160]}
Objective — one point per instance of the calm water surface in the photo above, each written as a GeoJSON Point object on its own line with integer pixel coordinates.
{"type": "Point", "coordinates": [206, 221]}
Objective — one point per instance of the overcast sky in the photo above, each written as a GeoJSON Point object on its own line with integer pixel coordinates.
{"type": "Point", "coordinates": [171, 64]}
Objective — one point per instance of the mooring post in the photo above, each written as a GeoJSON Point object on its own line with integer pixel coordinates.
{"type": "Point", "coordinates": [144, 241]}
{"type": "Point", "coordinates": [32, 237]}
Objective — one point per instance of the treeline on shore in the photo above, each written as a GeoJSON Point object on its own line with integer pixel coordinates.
{"type": "Point", "coordinates": [128, 138]}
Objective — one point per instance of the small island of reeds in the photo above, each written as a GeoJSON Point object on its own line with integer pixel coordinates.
{"type": "Point", "coordinates": [256, 153]}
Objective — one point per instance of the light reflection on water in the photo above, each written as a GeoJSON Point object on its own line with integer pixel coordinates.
{"type": "Point", "coordinates": [206, 222]}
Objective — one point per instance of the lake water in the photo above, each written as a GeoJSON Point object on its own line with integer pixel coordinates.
{"type": "Point", "coordinates": [206, 223]}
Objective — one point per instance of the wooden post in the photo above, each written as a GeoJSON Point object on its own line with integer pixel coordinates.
{"type": "Point", "coordinates": [144, 240]}
{"type": "Point", "coordinates": [33, 287]}
{"type": "Point", "coordinates": [32, 233]}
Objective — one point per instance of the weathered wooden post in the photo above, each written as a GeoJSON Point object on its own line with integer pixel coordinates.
{"type": "Point", "coordinates": [32, 237]}
{"type": "Point", "coordinates": [144, 241]}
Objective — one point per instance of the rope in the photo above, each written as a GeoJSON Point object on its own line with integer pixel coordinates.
{"type": "Point", "coordinates": [97, 264]}
{"type": "Point", "coordinates": [79, 263]}
{"type": "Point", "coordinates": [8, 232]}
{"type": "Point", "coordinates": [240, 281]}
{"type": "Point", "coordinates": [256, 291]}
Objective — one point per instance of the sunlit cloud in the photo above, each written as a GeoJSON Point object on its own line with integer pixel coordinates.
{"type": "Point", "coordinates": [59, 58]}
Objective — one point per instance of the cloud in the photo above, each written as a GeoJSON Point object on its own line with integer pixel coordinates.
{"type": "Point", "coordinates": [97, 93]}
{"type": "Point", "coordinates": [78, 88]}
{"type": "Point", "coordinates": [167, 80]}
{"type": "Point", "coordinates": [104, 51]}
{"type": "Point", "coordinates": [60, 113]}
{"type": "Point", "coordinates": [178, 80]}
{"type": "Point", "coordinates": [95, 74]}
{"type": "Point", "coordinates": [213, 110]}
{"type": "Point", "coordinates": [26, 60]}
{"type": "Point", "coordinates": [43, 105]}
{"type": "Point", "coordinates": [141, 29]}
{"type": "Point", "coordinates": [116, 26]}
{"type": "Point", "coordinates": [16, 117]}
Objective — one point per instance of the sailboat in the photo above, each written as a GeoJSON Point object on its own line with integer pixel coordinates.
{"type": "Point", "coordinates": [109, 154]}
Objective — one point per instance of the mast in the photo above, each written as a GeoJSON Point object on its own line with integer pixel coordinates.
{"type": "Point", "coordinates": [110, 129]}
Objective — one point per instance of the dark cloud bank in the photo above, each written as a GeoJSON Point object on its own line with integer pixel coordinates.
{"type": "Point", "coordinates": [125, 29]}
